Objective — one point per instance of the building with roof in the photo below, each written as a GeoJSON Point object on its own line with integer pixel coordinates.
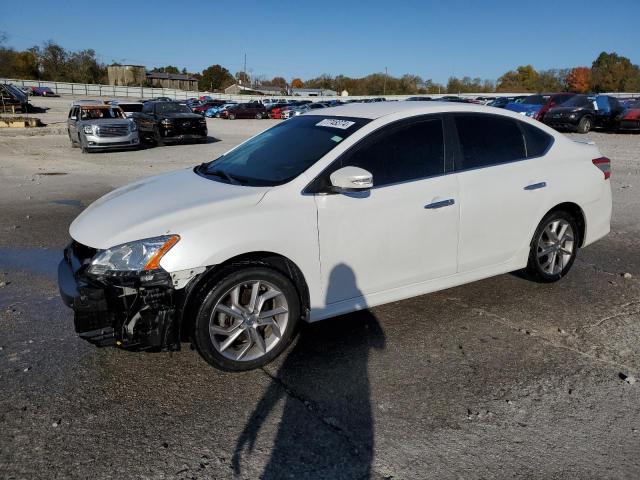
{"type": "Point", "coordinates": [237, 89]}
{"type": "Point", "coordinates": [313, 92]}
{"type": "Point", "coordinates": [179, 81]}
{"type": "Point", "coordinates": [123, 75]}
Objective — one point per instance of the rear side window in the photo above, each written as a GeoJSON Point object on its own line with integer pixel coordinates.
{"type": "Point", "coordinates": [488, 140]}
{"type": "Point", "coordinates": [537, 141]}
{"type": "Point", "coordinates": [403, 153]}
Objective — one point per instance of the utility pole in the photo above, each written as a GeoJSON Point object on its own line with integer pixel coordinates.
{"type": "Point", "coordinates": [384, 88]}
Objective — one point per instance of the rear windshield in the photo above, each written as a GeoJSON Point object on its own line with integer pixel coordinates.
{"type": "Point", "coordinates": [283, 152]}
{"type": "Point", "coordinates": [535, 100]}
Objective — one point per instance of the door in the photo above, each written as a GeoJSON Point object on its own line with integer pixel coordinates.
{"type": "Point", "coordinates": [73, 131]}
{"type": "Point", "coordinates": [504, 185]}
{"type": "Point", "coordinates": [405, 229]}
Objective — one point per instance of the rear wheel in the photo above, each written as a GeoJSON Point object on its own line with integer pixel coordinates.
{"type": "Point", "coordinates": [258, 116]}
{"type": "Point", "coordinates": [246, 318]}
{"type": "Point", "coordinates": [232, 116]}
{"type": "Point", "coordinates": [554, 247]}
{"type": "Point", "coordinates": [584, 126]}
{"type": "Point", "coordinates": [157, 138]}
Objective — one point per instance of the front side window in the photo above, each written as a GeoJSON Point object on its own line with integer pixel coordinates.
{"type": "Point", "coordinates": [402, 153]}
{"type": "Point", "coordinates": [488, 140]}
{"type": "Point", "coordinates": [283, 152]}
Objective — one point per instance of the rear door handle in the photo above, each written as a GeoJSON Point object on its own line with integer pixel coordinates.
{"type": "Point", "coordinates": [440, 204]}
{"type": "Point", "coordinates": [536, 186]}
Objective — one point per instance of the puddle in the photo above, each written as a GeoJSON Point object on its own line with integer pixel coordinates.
{"type": "Point", "coordinates": [52, 173]}
{"type": "Point", "coordinates": [39, 261]}
{"type": "Point", "coordinates": [70, 203]}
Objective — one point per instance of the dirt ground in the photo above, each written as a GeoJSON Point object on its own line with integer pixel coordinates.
{"type": "Point", "coordinates": [503, 378]}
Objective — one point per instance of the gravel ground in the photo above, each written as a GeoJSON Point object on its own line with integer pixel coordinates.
{"type": "Point", "coordinates": [503, 378]}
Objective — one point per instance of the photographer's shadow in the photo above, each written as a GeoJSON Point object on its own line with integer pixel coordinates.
{"type": "Point", "coordinates": [326, 427]}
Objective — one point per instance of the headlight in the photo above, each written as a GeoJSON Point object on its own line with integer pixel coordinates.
{"type": "Point", "coordinates": [133, 256]}
{"type": "Point", "coordinates": [166, 122]}
{"type": "Point", "coordinates": [572, 116]}
{"type": "Point", "coordinates": [133, 127]}
{"type": "Point", "coordinates": [89, 129]}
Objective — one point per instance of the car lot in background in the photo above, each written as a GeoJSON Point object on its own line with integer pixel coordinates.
{"type": "Point", "coordinates": [536, 106]}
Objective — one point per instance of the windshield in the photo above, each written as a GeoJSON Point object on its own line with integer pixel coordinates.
{"type": "Point", "coordinates": [168, 107]}
{"type": "Point", "coordinates": [535, 100]}
{"type": "Point", "coordinates": [578, 101]}
{"type": "Point", "coordinates": [98, 113]}
{"type": "Point", "coordinates": [130, 107]}
{"type": "Point", "coordinates": [283, 152]}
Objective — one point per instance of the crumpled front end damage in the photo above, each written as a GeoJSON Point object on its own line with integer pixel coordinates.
{"type": "Point", "coordinates": [137, 310]}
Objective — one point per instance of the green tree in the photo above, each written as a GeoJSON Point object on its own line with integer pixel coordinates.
{"type": "Point", "coordinates": [523, 79]}
{"type": "Point", "coordinates": [53, 61]}
{"type": "Point", "coordinates": [167, 69]}
{"type": "Point", "coordinates": [215, 77]}
{"type": "Point", "coordinates": [611, 72]}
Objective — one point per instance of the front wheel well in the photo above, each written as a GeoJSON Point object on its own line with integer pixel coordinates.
{"type": "Point", "coordinates": [576, 212]}
{"type": "Point", "coordinates": [280, 263]}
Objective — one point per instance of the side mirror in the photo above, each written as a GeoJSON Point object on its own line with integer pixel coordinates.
{"type": "Point", "coordinates": [351, 179]}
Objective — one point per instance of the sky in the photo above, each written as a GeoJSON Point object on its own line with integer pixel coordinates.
{"type": "Point", "coordinates": [433, 39]}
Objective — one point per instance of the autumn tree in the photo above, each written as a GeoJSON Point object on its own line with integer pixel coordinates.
{"type": "Point", "coordinates": [296, 83]}
{"type": "Point", "coordinates": [579, 80]}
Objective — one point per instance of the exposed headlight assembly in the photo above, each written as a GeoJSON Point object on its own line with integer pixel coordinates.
{"type": "Point", "coordinates": [133, 256]}
{"type": "Point", "coordinates": [133, 127]}
{"type": "Point", "coordinates": [167, 122]}
{"type": "Point", "coordinates": [89, 129]}
{"type": "Point", "coordinates": [572, 116]}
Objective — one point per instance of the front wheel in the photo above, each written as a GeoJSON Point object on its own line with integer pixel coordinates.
{"type": "Point", "coordinates": [554, 247]}
{"type": "Point", "coordinates": [232, 116]}
{"type": "Point", "coordinates": [247, 318]}
{"type": "Point", "coordinates": [585, 125]}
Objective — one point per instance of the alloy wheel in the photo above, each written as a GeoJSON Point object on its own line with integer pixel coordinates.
{"type": "Point", "coordinates": [555, 247]}
{"type": "Point", "coordinates": [248, 320]}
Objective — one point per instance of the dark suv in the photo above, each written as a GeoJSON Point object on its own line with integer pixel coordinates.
{"type": "Point", "coordinates": [245, 110]}
{"type": "Point", "coordinates": [581, 113]}
{"type": "Point", "coordinates": [164, 122]}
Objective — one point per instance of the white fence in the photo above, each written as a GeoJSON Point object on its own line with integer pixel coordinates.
{"type": "Point", "coordinates": [111, 91]}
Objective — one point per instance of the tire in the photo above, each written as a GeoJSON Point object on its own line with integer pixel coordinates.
{"type": "Point", "coordinates": [258, 116]}
{"type": "Point", "coordinates": [73, 143]}
{"type": "Point", "coordinates": [232, 116]}
{"type": "Point", "coordinates": [242, 331]}
{"type": "Point", "coordinates": [83, 144]}
{"type": "Point", "coordinates": [157, 138]}
{"type": "Point", "coordinates": [585, 124]}
{"type": "Point", "coordinates": [554, 247]}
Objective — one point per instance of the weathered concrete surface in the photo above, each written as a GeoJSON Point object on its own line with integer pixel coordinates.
{"type": "Point", "coordinates": [502, 378]}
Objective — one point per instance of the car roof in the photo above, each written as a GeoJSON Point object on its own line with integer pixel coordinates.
{"type": "Point", "coordinates": [375, 110]}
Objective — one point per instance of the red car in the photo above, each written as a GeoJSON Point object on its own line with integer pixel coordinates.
{"type": "Point", "coordinates": [43, 92]}
{"type": "Point", "coordinates": [630, 118]}
{"type": "Point", "coordinates": [203, 107]}
{"type": "Point", "coordinates": [244, 110]}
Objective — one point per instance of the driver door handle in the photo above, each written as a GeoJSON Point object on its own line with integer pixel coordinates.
{"type": "Point", "coordinates": [536, 186]}
{"type": "Point", "coordinates": [440, 204]}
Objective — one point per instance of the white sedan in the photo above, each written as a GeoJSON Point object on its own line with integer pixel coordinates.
{"type": "Point", "coordinates": [328, 213]}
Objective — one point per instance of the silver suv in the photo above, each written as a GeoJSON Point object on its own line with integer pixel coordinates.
{"type": "Point", "coordinates": [98, 126]}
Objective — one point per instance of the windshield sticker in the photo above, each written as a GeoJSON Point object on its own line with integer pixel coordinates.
{"type": "Point", "coordinates": [335, 123]}
{"type": "Point", "coordinates": [336, 138]}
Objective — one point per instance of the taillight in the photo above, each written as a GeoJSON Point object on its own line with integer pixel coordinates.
{"type": "Point", "coordinates": [604, 164]}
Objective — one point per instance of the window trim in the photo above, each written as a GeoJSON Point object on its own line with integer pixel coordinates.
{"type": "Point", "coordinates": [448, 160]}
{"type": "Point", "coordinates": [458, 145]}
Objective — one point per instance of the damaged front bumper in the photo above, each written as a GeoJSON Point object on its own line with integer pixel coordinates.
{"type": "Point", "coordinates": [136, 310]}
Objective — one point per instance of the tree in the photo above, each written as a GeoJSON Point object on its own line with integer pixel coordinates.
{"type": "Point", "coordinates": [53, 60]}
{"type": "Point", "coordinates": [611, 72]}
{"type": "Point", "coordinates": [278, 82]}
{"type": "Point", "coordinates": [579, 80]}
{"type": "Point", "coordinates": [242, 77]}
{"type": "Point", "coordinates": [296, 83]}
{"type": "Point", "coordinates": [83, 67]}
{"type": "Point", "coordinates": [215, 77]}
{"type": "Point", "coordinates": [523, 79]}
{"type": "Point", "coordinates": [167, 69]}
{"type": "Point", "coordinates": [553, 80]}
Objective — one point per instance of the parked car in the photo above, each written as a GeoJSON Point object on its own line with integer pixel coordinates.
{"type": "Point", "coordinates": [167, 122]}
{"type": "Point", "coordinates": [169, 258]}
{"type": "Point", "coordinates": [536, 106]}
{"type": "Point", "coordinates": [244, 110]}
{"type": "Point", "coordinates": [419, 99]}
{"type": "Point", "coordinates": [217, 110]}
{"type": "Point", "coordinates": [129, 108]}
{"type": "Point", "coordinates": [581, 113]}
{"type": "Point", "coordinates": [629, 119]}
{"type": "Point", "coordinates": [502, 102]}
{"type": "Point", "coordinates": [157, 99]}
{"type": "Point", "coordinates": [100, 127]}
{"type": "Point", "coordinates": [295, 110]}
{"type": "Point", "coordinates": [43, 92]}
{"type": "Point", "coordinates": [204, 106]}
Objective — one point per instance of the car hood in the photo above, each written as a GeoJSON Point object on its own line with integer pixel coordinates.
{"type": "Point", "coordinates": [169, 203]}
{"type": "Point", "coordinates": [179, 116]}
{"type": "Point", "coordinates": [107, 121]}
{"type": "Point", "coordinates": [522, 107]}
